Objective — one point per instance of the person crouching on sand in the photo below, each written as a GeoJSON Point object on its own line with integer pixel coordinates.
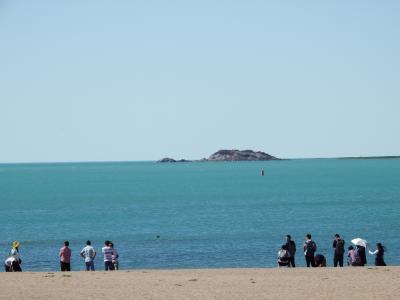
{"type": "Point", "coordinates": [8, 264]}
{"type": "Point", "coordinates": [65, 257]}
{"type": "Point", "coordinates": [283, 257]}
{"type": "Point", "coordinates": [89, 254]}
{"type": "Point", "coordinates": [14, 253]}
{"type": "Point", "coordinates": [319, 260]}
{"type": "Point", "coordinates": [380, 250]}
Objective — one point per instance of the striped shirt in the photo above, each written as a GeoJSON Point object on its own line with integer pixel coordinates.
{"type": "Point", "coordinates": [108, 253]}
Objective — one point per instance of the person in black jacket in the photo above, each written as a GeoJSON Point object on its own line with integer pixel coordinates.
{"type": "Point", "coordinates": [291, 247]}
{"type": "Point", "coordinates": [338, 246]}
{"type": "Point", "coordinates": [309, 249]}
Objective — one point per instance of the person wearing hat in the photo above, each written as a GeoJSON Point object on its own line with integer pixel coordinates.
{"type": "Point", "coordinates": [14, 253]}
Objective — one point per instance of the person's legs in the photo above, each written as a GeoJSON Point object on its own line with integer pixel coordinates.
{"type": "Point", "coordinates": [68, 267]}
{"type": "Point", "coordinates": [7, 268]}
{"type": "Point", "coordinates": [62, 267]}
{"type": "Point", "coordinates": [292, 263]}
{"type": "Point", "coordinates": [312, 261]}
{"type": "Point", "coordinates": [16, 267]}
{"type": "Point", "coordinates": [108, 266]}
{"type": "Point", "coordinates": [341, 260]}
{"type": "Point", "coordinates": [335, 260]}
{"type": "Point", "coordinates": [89, 266]}
{"type": "Point", "coordinates": [308, 261]}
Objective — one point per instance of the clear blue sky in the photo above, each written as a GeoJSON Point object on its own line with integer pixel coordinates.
{"type": "Point", "coordinates": [140, 80]}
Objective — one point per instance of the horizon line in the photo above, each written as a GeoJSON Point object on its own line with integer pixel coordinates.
{"type": "Point", "coordinates": [195, 160]}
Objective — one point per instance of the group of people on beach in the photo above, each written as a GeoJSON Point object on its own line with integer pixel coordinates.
{"type": "Point", "coordinates": [88, 253]}
{"type": "Point", "coordinates": [356, 256]}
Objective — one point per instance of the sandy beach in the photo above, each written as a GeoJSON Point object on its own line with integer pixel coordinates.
{"type": "Point", "coordinates": [300, 283]}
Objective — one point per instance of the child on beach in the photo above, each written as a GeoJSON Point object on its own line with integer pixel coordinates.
{"type": "Point", "coordinates": [115, 257]}
{"type": "Point", "coordinates": [351, 256]}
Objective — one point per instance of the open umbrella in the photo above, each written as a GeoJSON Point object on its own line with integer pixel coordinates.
{"type": "Point", "coordinates": [359, 242]}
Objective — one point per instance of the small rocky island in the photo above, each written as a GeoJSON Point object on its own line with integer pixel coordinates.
{"type": "Point", "coordinates": [171, 160]}
{"type": "Point", "coordinates": [229, 155]}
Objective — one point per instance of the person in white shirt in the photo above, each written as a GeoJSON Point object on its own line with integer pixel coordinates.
{"type": "Point", "coordinates": [89, 254]}
{"type": "Point", "coordinates": [8, 264]}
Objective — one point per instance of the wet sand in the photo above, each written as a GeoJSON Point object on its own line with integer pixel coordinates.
{"type": "Point", "coordinates": [299, 283]}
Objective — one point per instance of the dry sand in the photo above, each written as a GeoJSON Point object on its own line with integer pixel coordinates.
{"type": "Point", "coordinates": [299, 283]}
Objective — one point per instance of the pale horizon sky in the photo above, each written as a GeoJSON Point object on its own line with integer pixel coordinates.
{"type": "Point", "coordinates": [142, 80]}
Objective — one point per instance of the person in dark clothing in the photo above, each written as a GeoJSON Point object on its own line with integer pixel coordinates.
{"type": "Point", "coordinates": [291, 247]}
{"type": "Point", "coordinates": [319, 260]}
{"type": "Point", "coordinates": [379, 252]}
{"type": "Point", "coordinates": [309, 249]}
{"type": "Point", "coordinates": [338, 246]}
{"type": "Point", "coordinates": [361, 253]}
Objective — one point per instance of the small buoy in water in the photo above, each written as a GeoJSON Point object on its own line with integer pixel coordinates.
{"type": "Point", "coordinates": [262, 172]}
{"type": "Point", "coordinates": [157, 236]}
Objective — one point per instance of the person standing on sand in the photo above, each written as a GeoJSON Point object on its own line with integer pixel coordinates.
{"type": "Point", "coordinates": [14, 253]}
{"type": "Point", "coordinates": [115, 257]}
{"type": "Point", "coordinates": [89, 254]}
{"type": "Point", "coordinates": [338, 246]}
{"type": "Point", "coordinates": [108, 254]}
{"type": "Point", "coordinates": [291, 247]}
{"type": "Point", "coordinates": [309, 249]}
{"type": "Point", "coordinates": [65, 257]}
{"type": "Point", "coordinates": [380, 250]}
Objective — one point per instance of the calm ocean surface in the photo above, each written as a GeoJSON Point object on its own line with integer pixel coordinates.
{"type": "Point", "coordinates": [208, 215]}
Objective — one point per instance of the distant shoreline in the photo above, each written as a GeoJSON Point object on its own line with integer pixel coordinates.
{"type": "Point", "coordinates": [153, 161]}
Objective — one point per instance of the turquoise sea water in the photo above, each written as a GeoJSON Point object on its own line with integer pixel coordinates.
{"type": "Point", "coordinates": [208, 215]}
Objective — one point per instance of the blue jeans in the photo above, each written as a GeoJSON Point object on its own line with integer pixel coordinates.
{"type": "Point", "coordinates": [108, 266]}
{"type": "Point", "coordinates": [89, 266]}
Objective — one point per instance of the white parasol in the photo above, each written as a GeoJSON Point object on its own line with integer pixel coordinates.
{"type": "Point", "coordinates": [359, 242]}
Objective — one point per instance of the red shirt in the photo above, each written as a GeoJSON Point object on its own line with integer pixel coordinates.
{"type": "Point", "coordinates": [65, 254]}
